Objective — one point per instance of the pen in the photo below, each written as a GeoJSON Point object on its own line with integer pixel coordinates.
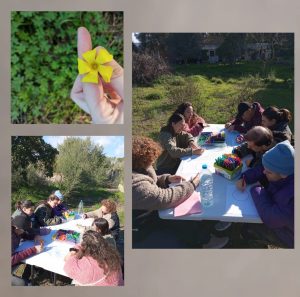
{"type": "Point", "coordinates": [244, 182]}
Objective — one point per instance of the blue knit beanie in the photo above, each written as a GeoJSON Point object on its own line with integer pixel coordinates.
{"type": "Point", "coordinates": [280, 158]}
{"type": "Point", "coordinates": [59, 195]}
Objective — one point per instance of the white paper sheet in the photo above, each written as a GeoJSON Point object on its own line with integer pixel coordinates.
{"type": "Point", "coordinates": [239, 203]}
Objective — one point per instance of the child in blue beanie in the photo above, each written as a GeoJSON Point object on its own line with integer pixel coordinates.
{"type": "Point", "coordinates": [61, 207]}
{"type": "Point", "coordinates": [275, 203]}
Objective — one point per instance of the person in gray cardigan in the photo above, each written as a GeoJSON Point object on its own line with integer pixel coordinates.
{"type": "Point", "coordinates": [176, 143]}
{"type": "Point", "coordinates": [151, 193]}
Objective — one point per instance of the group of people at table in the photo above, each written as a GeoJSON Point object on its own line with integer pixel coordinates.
{"type": "Point", "coordinates": [265, 136]}
{"type": "Point", "coordinates": [95, 261]}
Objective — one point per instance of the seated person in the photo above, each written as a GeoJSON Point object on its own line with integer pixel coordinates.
{"type": "Point", "coordinates": [248, 116]}
{"type": "Point", "coordinates": [101, 226]}
{"type": "Point", "coordinates": [258, 141]}
{"type": "Point", "coordinates": [24, 219]}
{"type": "Point", "coordinates": [277, 120]}
{"type": "Point", "coordinates": [19, 271]}
{"type": "Point", "coordinates": [194, 124]}
{"type": "Point", "coordinates": [108, 211]}
{"type": "Point", "coordinates": [60, 208]}
{"type": "Point", "coordinates": [44, 215]}
{"type": "Point", "coordinates": [94, 262]}
{"type": "Point", "coordinates": [176, 143]}
{"type": "Point", "coordinates": [275, 203]}
{"type": "Point", "coordinates": [151, 193]}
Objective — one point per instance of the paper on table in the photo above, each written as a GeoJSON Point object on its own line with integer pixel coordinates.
{"type": "Point", "coordinates": [239, 203]}
{"type": "Point", "coordinates": [189, 206]}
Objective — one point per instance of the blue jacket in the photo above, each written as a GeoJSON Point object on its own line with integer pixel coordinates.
{"type": "Point", "coordinates": [275, 204]}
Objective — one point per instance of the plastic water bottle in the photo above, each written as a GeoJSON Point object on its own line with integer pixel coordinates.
{"type": "Point", "coordinates": [80, 209]}
{"type": "Point", "coordinates": [206, 187]}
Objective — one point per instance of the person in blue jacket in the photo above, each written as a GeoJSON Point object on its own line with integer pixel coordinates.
{"type": "Point", "coordinates": [274, 203]}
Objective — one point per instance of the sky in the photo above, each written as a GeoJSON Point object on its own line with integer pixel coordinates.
{"type": "Point", "coordinates": [113, 145]}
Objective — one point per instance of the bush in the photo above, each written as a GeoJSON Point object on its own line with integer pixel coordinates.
{"type": "Point", "coordinates": [153, 96]}
{"type": "Point", "coordinates": [216, 80]}
{"type": "Point", "coordinates": [44, 61]}
{"type": "Point", "coordinates": [146, 68]}
{"type": "Point", "coordinates": [187, 92]}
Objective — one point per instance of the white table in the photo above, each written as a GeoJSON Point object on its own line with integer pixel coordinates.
{"type": "Point", "coordinates": [52, 257]}
{"type": "Point", "coordinates": [192, 165]}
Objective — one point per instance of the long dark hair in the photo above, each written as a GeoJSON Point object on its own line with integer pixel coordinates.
{"type": "Point", "coordinates": [174, 118]}
{"type": "Point", "coordinates": [102, 225]}
{"type": "Point", "coordinates": [24, 204]}
{"type": "Point", "coordinates": [182, 107]}
{"type": "Point", "coordinates": [95, 246]}
{"type": "Point", "coordinates": [280, 115]}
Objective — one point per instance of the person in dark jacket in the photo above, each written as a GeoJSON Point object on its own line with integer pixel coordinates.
{"type": "Point", "coordinates": [277, 120]}
{"type": "Point", "coordinates": [249, 115]}
{"type": "Point", "coordinates": [16, 257]}
{"type": "Point", "coordinates": [275, 203]}
{"type": "Point", "coordinates": [24, 218]}
{"type": "Point", "coordinates": [44, 215]}
{"type": "Point", "coordinates": [60, 208]}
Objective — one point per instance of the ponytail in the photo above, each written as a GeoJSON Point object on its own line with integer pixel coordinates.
{"type": "Point", "coordinates": [285, 115]}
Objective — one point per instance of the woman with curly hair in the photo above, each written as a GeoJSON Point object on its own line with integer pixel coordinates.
{"type": "Point", "coordinates": [194, 124]}
{"type": "Point", "coordinates": [94, 262]}
{"type": "Point", "coordinates": [151, 193]}
{"type": "Point", "coordinates": [176, 143]}
{"type": "Point", "coordinates": [108, 211]}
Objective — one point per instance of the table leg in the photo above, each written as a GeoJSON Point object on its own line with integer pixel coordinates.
{"type": "Point", "coordinates": [54, 278]}
{"type": "Point", "coordinates": [32, 275]}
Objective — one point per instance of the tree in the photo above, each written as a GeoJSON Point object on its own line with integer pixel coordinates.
{"type": "Point", "coordinates": [32, 150]}
{"type": "Point", "coordinates": [232, 47]}
{"type": "Point", "coordinates": [81, 163]}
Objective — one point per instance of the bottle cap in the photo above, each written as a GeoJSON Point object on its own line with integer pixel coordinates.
{"type": "Point", "coordinates": [204, 166]}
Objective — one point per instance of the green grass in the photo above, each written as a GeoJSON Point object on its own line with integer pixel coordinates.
{"type": "Point", "coordinates": [90, 197]}
{"type": "Point", "coordinates": [216, 91]}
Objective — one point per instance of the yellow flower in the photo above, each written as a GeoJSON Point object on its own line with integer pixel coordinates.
{"type": "Point", "coordinates": [93, 64]}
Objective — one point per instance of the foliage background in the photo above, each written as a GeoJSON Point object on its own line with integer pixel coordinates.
{"type": "Point", "coordinates": [214, 89]}
{"type": "Point", "coordinates": [44, 61]}
{"type": "Point", "coordinates": [79, 168]}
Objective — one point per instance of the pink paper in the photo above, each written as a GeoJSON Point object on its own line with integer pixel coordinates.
{"type": "Point", "coordinates": [189, 206]}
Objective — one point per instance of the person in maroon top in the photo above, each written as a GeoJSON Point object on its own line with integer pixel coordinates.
{"type": "Point", "coordinates": [16, 257]}
{"type": "Point", "coordinates": [249, 115]}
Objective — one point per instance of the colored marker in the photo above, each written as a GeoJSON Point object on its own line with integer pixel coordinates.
{"type": "Point", "coordinates": [244, 182]}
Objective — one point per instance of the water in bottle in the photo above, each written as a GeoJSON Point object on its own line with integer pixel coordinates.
{"type": "Point", "coordinates": [80, 209]}
{"type": "Point", "coordinates": [206, 187]}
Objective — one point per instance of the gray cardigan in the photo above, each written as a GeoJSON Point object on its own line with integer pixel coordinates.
{"type": "Point", "coordinates": [151, 192]}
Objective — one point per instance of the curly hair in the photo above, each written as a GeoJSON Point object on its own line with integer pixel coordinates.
{"type": "Point", "coordinates": [109, 204]}
{"type": "Point", "coordinates": [145, 151]}
{"type": "Point", "coordinates": [95, 246]}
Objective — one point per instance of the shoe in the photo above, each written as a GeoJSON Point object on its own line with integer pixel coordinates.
{"type": "Point", "coordinates": [221, 226]}
{"type": "Point", "coordinates": [216, 242]}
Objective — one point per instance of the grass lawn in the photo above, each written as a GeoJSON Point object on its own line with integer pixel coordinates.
{"type": "Point", "coordinates": [214, 90]}
{"type": "Point", "coordinates": [90, 198]}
